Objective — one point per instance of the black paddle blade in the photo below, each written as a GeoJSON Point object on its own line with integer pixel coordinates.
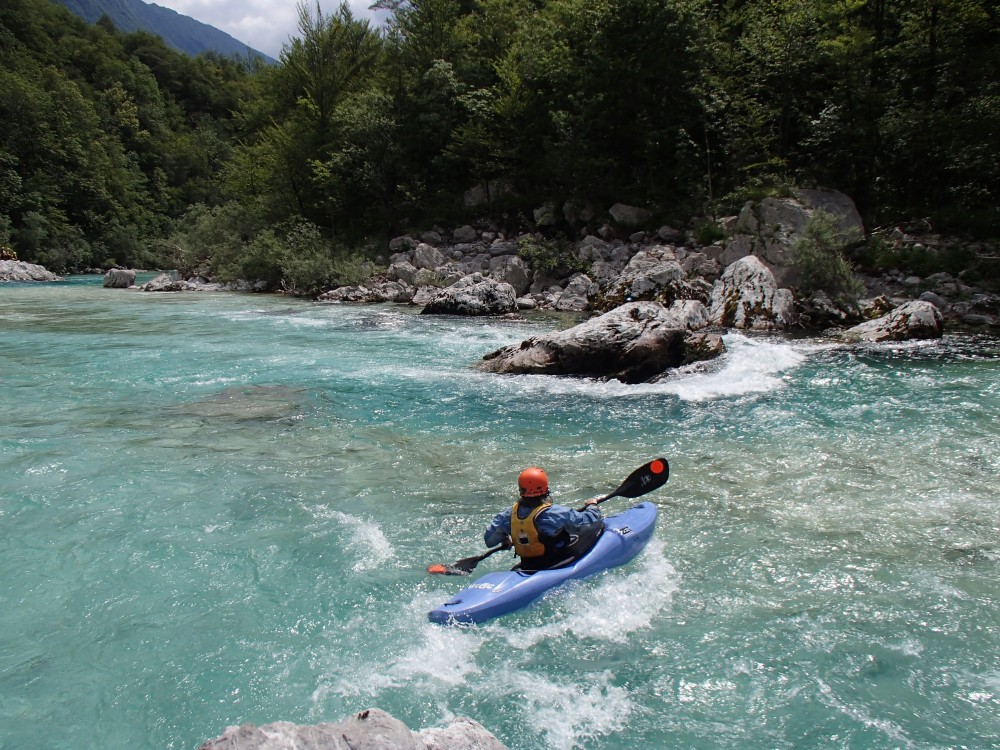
{"type": "Point", "coordinates": [464, 566]}
{"type": "Point", "coordinates": [644, 479]}
{"type": "Point", "coordinates": [456, 568]}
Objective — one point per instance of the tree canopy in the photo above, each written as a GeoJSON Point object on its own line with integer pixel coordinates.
{"type": "Point", "coordinates": [114, 145]}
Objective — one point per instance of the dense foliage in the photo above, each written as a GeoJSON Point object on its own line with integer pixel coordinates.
{"type": "Point", "coordinates": [118, 150]}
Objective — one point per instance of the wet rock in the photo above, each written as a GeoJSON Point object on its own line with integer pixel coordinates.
{"type": "Point", "coordinates": [914, 320]}
{"type": "Point", "coordinates": [633, 343]}
{"type": "Point", "coordinates": [473, 295]}
{"type": "Point", "coordinates": [119, 278]}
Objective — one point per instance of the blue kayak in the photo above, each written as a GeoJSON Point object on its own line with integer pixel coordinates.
{"type": "Point", "coordinates": [500, 593]}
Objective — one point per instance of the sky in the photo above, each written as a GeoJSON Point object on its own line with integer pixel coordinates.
{"type": "Point", "coordinates": [265, 25]}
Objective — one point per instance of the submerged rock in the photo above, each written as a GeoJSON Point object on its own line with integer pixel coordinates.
{"type": "Point", "coordinates": [372, 729]}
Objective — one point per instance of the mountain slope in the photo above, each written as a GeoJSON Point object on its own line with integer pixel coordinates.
{"type": "Point", "coordinates": [178, 31]}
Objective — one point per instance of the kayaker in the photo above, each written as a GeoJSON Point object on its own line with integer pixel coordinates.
{"type": "Point", "coordinates": [544, 535]}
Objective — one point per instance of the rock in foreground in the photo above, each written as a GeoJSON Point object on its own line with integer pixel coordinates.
{"type": "Point", "coordinates": [373, 729]}
{"type": "Point", "coordinates": [633, 343]}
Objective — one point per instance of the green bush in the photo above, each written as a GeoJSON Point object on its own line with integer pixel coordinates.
{"type": "Point", "coordinates": [818, 255]}
{"type": "Point", "coordinates": [549, 258]}
{"type": "Point", "coordinates": [707, 231]}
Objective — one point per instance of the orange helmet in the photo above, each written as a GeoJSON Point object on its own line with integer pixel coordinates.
{"type": "Point", "coordinates": [533, 483]}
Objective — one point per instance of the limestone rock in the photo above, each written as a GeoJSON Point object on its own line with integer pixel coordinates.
{"type": "Point", "coordinates": [18, 270]}
{"type": "Point", "coordinates": [633, 343]}
{"type": "Point", "coordinates": [914, 320]}
{"type": "Point", "coordinates": [747, 297]}
{"type": "Point", "coordinates": [119, 278]}
{"type": "Point", "coordinates": [629, 216]}
{"type": "Point", "coordinates": [473, 295]}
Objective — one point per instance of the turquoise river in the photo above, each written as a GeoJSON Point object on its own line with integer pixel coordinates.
{"type": "Point", "coordinates": [219, 509]}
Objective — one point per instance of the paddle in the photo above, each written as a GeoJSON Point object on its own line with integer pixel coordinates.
{"type": "Point", "coordinates": [464, 566]}
{"type": "Point", "coordinates": [645, 479]}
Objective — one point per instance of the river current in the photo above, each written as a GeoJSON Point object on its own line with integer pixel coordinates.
{"type": "Point", "coordinates": [220, 508]}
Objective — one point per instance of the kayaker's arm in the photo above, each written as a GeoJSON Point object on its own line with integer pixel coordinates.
{"type": "Point", "coordinates": [499, 529]}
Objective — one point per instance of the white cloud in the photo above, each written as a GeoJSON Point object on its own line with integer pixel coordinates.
{"type": "Point", "coordinates": [264, 25]}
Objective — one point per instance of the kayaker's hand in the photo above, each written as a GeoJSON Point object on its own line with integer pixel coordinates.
{"type": "Point", "coordinates": [507, 543]}
{"type": "Point", "coordinates": [592, 501]}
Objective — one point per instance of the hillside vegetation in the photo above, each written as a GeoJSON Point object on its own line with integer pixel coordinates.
{"type": "Point", "coordinates": [118, 150]}
{"type": "Point", "coordinates": [181, 32]}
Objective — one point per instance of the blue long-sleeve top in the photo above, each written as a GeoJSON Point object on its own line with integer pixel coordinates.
{"type": "Point", "coordinates": [550, 523]}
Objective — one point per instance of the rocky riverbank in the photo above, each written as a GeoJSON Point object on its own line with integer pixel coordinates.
{"type": "Point", "coordinates": [473, 271]}
{"type": "Point", "coordinates": [747, 276]}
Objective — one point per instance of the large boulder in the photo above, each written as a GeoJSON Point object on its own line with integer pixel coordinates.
{"type": "Point", "coordinates": [512, 270]}
{"type": "Point", "coordinates": [165, 282]}
{"type": "Point", "coordinates": [119, 278]}
{"type": "Point", "coordinates": [633, 343]}
{"type": "Point", "coordinates": [428, 256]}
{"type": "Point", "coordinates": [747, 297]}
{"type": "Point", "coordinates": [473, 295]}
{"type": "Point", "coordinates": [651, 274]}
{"type": "Point", "coordinates": [769, 229]}
{"type": "Point", "coordinates": [372, 729]}
{"type": "Point", "coordinates": [18, 270]}
{"type": "Point", "coordinates": [629, 216]}
{"type": "Point", "coordinates": [918, 319]}
{"type": "Point", "coordinates": [576, 296]}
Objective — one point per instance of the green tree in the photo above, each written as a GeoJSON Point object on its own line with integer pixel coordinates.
{"type": "Point", "coordinates": [819, 257]}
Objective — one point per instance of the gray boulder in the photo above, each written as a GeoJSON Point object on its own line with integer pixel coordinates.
{"type": "Point", "coordinates": [633, 343]}
{"type": "Point", "coordinates": [428, 256]}
{"type": "Point", "coordinates": [629, 216]}
{"type": "Point", "coordinates": [402, 270]}
{"type": "Point", "coordinates": [576, 296]}
{"type": "Point", "coordinates": [18, 270]}
{"type": "Point", "coordinates": [914, 320]}
{"type": "Point", "coordinates": [510, 269]}
{"type": "Point", "coordinates": [770, 228]}
{"type": "Point", "coordinates": [651, 274]}
{"type": "Point", "coordinates": [372, 729]}
{"type": "Point", "coordinates": [981, 310]}
{"type": "Point", "coordinates": [747, 297]}
{"type": "Point", "coordinates": [473, 295]}
{"type": "Point", "coordinates": [119, 278]}
{"type": "Point", "coordinates": [166, 282]}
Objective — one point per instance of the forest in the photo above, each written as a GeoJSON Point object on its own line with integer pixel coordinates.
{"type": "Point", "coordinates": [116, 150]}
